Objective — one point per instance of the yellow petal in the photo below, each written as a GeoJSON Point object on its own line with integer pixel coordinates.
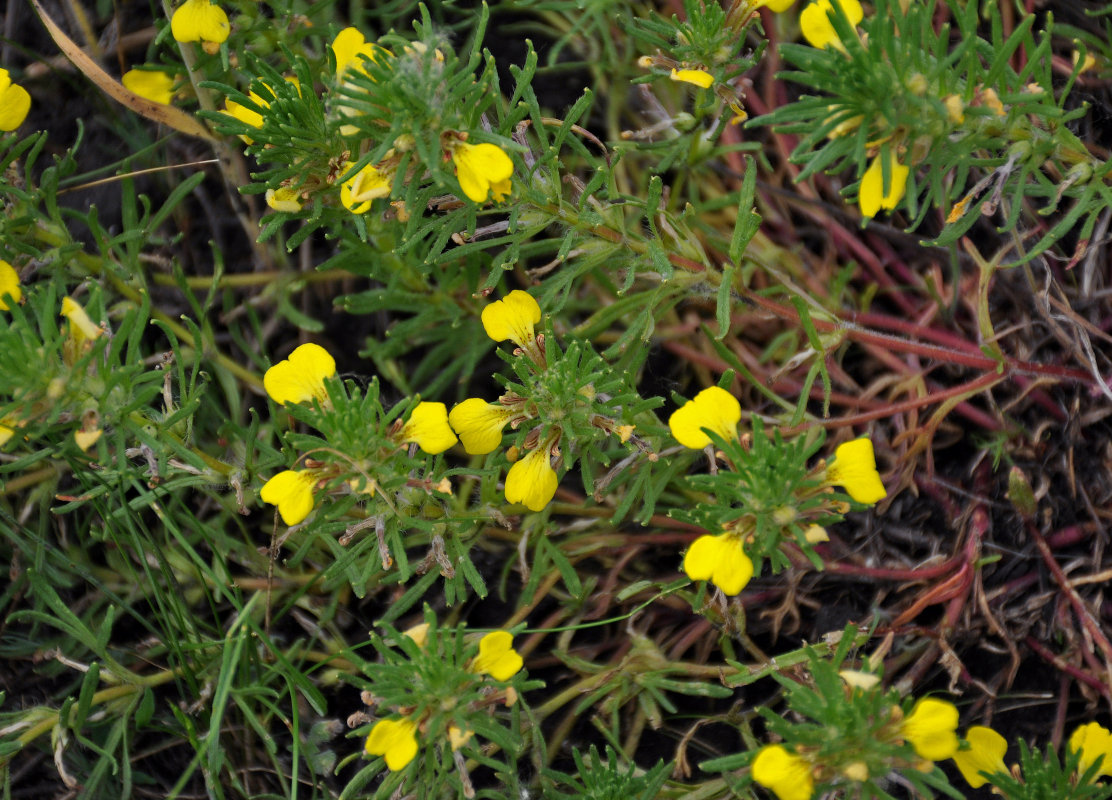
{"type": "Point", "coordinates": [512, 318]}
{"type": "Point", "coordinates": [698, 77]}
{"type": "Point", "coordinates": [300, 378]}
{"type": "Point", "coordinates": [292, 492]}
{"type": "Point", "coordinates": [721, 560]}
{"type": "Point", "coordinates": [713, 408]}
{"type": "Point", "coordinates": [858, 679]}
{"type": "Point", "coordinates": [82, 328]}
{"type": "Point", "coordinates": [428, 427]}
{"type": "Point", "coordinates": [779, 6]}
{"type": "Point", "coordinates": [350, 47]}
{"type": "Point", "coordinates": [985, 754]}
{"type": "Point", "coordinates": [15, 103]}
{"type": "Point", "coordinates": [9, 284]}
{"type": "Point", "coordinates": [419, 634]}
{"type": "Point", "coordinates": [786, 774]}
{"type": "Point", "coordinates": [814, 21]}
{"type": "Point", "coordinates": [86, 439]}
{"type": "Point", "coordinates": [497, 658]}
{"type": "Point", "coordinates": [854, 469]}
{"type": "Point", "coordinates": [871, 197]}
{"type": "Point", "coordinates": [532, 481]}
{"type": "Point", "coordinates": [6, 433]}
{"type": "Point", "coordinates": [395, 739]}
{"type": "Point", "coordinates": [199, 21]}
{"type": "Point", "coordinates": [458, 738]}
{"type": "Point", "coordinates": [931, 728]}
{"type": "Point", "coordinates": [1093, 741]}
{"type": "Point", "coordinates": [155, 85]}
{"type": "Point", "coordinates": [479, 167]}
{"type": "Point", "coordinates": [357, 192]}
{"type": "Point", "coordinates": [479, 424]}
{"type": "Point", "coordinates": [284, 198]}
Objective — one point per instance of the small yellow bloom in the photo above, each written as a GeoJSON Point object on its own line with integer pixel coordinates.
{"type": "Point", "coordinates": [419, 634]}
{"type": "Point", "coordinates": [396, 739]}
{"type": "Point", "coordinates": [512, 318]}
{"type": "Point", "coordinates": [479, 424]}
{"type": "Point", "coordinates": [532, 481]}
{"type": "Point", "coordinates": [458, 738]}
{"type": "Point", "coordinates": [284, 198]}
{"type": "Point", "coordinates": [249, 116]}
{"type": "Point", "coordinates": [815, 23]}
{"type": "Point", "coordinates": [985, 755]}
{"type": "Point", "coordinates": [6, 433]}
{"type": "Point", "coordinates": [721, 560]}
{"type": "Point", "coordinates": [779, 6]}
{"type": "Point", "coordinates": [931, 728]}
{"type": "Point", "coordinates": [151, 84]}
{"type": "Point", "coordinates": [300, 378]}
{"type": "Point", "coordinates": [497, 657]}
{"type": "Point", "coordinates": [482, 169]}
{"type": "Point", "coordinates": [1093, 741]}
{"type": "Point", "coordinates": [714, 409]}
{"type": "Point", "coordinates": [15, 103]}
{"type": "Point", "coordinates": [86, 439]}
{"type": "Point", "coordinates": [698, 77]}
{"type": "Point", "coordinates": [428, 427]}
{"type": "Point", "coordinates": [82, 328]}
{"type": "Point", "coordinates": [786, 774]}
{"type": "Point", "coordinates": [357, 192]}
{"type": "Point", "coordinates": [9, 285]}
{"type": "Point", "coordinates": [292, 492]}
{"type": "Point", "coordinates": [858, 679]}
{"type": "Point", "coordinates": [854, 469]}
{"type": "Point", "coordinates": [350, 48]}
{"type": "Point", "coordinates": [200, 21]}
{"type": "Point", "coordinates": [871, 196]}
{"type": "Point", "coordinates": [955, 108]}
{"type": "Point", "coordinates": [857, 771]}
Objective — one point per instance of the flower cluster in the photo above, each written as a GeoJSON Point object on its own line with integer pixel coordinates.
{"type": "Point", "coordinates": [559, 397]}
{"type": "Point", "coordinates": [364, 74]}
{"type": "Point", "coordinates": [305, 378]}
{"type": "Point", "coordinates": [981, 761]}
{"type": "Point", "coordinates": [846, 731]}
{"type": "Point", "coordinates": [774, 489]}
{"type": "Point", "coordinates": [441, 689]}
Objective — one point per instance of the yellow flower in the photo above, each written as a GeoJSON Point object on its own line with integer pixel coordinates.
{"type": "Point", "coordinates": [357, 192]}
{"type": "Point", "coordinates": [9, 284]}
{"type": "Point", "coordinates": [482, 169]}
{"type": "Point", "coordinates": [86, 439]}
{"type": "Point", "coordinates": [428, 427]}
{"type": "Point", "coordinates": [931, 728]}
{"type": "Point", "coordinates": [512, 318]}
{"type": "Point", "coordinates": [479, 424]}
{"type": "Point", "coordinates": [871, 196]}
{"type": "Point", "coordinates": [6, 433]}
{"type": "Point", "coordinates": [284, 198]}
{"type": "Point", "coordinates": [458, 738]}
{"type": "Point", "coordinates": [720, 560]}
{"type": "Point", "coordinates": [292, 492]}
{"type": "Point", "coordinates": [985, 755]}
{"type": "Point", "coordinates": [300, 378]}
{"type": "Point", "coordinates": [779, 6]}
{"type": "Point", "coordinates": [419, 634]}
{"type": "Point", "coordinates": [1093, 741]}
{"type": "Point", "coordinates": [200, 21]}
{"type": "Point", "coordinates": [152, 84]}
{"type": "Point", "coordinates": [854, 469]}
{"type": "Point", "coordinates": [814, 21]}
{"type": "Point", "coordinates": [82, 328]}
{"type": "Point", "coordinates": [698, 77]}
{"type": "Point", "coordinates": [786, 774]}
{"type": "Point", "coordinates": [532, 481]}
{"type": "Point", "coordinates": [714, 409]}
{"type": "Point", "coordinates": [14, 103]}
{"type": "Point", "coordinates": [497, 657]}
{"type": "Point", "coordinates": [396, 739]}
{"type": "Point", "coordinates": [350, 47]}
